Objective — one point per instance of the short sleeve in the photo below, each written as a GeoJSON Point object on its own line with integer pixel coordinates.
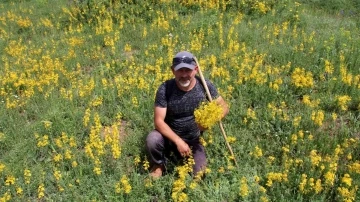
{"type": "Point", "coordinates": [160, 98]}
{"type": "Point", "coordinates": [212, 89]}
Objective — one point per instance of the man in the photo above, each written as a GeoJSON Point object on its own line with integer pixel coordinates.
{"type": "Point", "coordinates": [175, 126]}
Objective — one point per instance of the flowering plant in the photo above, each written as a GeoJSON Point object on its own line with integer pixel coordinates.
{"type": "Point", "coordinates": [208, 113]}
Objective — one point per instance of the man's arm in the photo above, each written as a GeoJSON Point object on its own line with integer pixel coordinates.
{"type": "Point", "coordinates": [165, 130]}
{"type": "Point", "coordinates": [220, 101]}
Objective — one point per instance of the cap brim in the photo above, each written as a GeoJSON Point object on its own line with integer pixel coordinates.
{"type": "Point", "coordinates": [184, 65]}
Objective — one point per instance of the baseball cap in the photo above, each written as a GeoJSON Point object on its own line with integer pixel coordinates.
{"type": "Point", "coordinates": [183, 59]}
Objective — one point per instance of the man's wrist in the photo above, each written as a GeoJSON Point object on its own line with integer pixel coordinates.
{"type": "Point", "coordinates": [178, 140]}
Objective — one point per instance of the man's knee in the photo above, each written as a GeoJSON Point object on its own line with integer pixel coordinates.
{"type": "Point", "coordinates": [154, 139]}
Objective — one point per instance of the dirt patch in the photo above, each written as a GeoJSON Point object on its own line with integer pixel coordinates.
{"type": "Point", "coordinates": [334, 126]}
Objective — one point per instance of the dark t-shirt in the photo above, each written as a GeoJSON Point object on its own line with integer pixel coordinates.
{"type": "Point", "coordinates": [181, 106]}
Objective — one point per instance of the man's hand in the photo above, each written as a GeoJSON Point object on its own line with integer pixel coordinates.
{"type": "Point", "coordinates": [183, 148]}
{"type": "Point", "coordinates": [201, 128]}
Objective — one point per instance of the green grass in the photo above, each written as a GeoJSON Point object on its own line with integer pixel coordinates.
{"type": "Point", "coordinates": [122, 53]}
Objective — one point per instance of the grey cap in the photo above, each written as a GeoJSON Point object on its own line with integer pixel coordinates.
{"type": "Point", "coordinates": [183, 59]}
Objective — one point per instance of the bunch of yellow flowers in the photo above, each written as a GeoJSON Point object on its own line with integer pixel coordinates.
{"type": "Point", "coordinates": [208, 113]}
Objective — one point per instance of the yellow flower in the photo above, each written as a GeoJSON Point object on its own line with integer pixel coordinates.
{"type": "Point", "coordinates": [27, 176]}
{"type": "Point", "coordinates": [315, 158]}
{"type": "Point", "coordinates": [57, 174]}
{"type": "Point", "coordinates": [192, 185]}
{"type": "Point", "coordinates": [42, 141]}
{"type": "Point", "coordinates": [346, 179]}
{"type": "Point", "coordinates": [256, 179]}
{"type": "Point", "coordinates": [264, 199]}
{"type": "Point", "coordinates": [148, 182]}
{"type": "Point", "coordinates": [257, 152]}
{"type": "Point", "coordinates": [146, 164]}
{"type": "Point", "coordinates": [41, 190]}
{"type": "Point", "coordinates": [271, 159]}
{"type": "Point", "coordinates": [97, 170]}
{"type": "Point", "coordinates": [137, 160]}
{"type": "Point", "coordinates": [303, 183]}
{"type": "Point", "coordinates": [221, 169]}
{"type": "Point", "coordinates": [74, 164]}
{"type": "Point", "coordinates": [10, 180]}
{"type": "Point", "coordinates": [302, 79]}
{"type": "Point", "coordinates": [262, 189]}
{"type": "Point", "coordinates": [329, 178]}
{"type": "Point", "coordinates": [231, 139]}
{"type": "Point", "coordinates": [318, 117]}
{"type": "Point", "coordinates": [244, 189]}
{"type": "Point", "coordinates": [251, 114]}
{"type": "Point", "coordinates": [19, 190]}
{"type": "Point", "coordinates": [208, 113]}
{"type": "Point", "coordinates": [58, 157]}
{"type": "Point", "coordinates": [334, 116]}
{"type": "Point", "coordinates": [2, 167]}
{"type": "Point", "coordinates": [343, 102]}
{"type": "Point", "coordinates": [329, 68]}
{"type": "Point", "coordinates": [294, 139]}
{"type": "Point", "coordinates": [277, 177]}
{"type": "Point", "coordinates": [318, 188]}
{"type": "Point", "coordinates": [297, 121]}
{"type": "Point", "coordinates": [2, 136]}
{"type": "Point", "coordinates": [178, 186]}
{"type": "Point", "coordinates": [47, 124]}
{"type": "Point", "coordinates": [125, 184]}
{"type": "Point", "coordinates": [354, 167]}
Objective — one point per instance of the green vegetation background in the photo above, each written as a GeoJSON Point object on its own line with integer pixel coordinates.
{"type": "Point", "coordinates": [71, 69]}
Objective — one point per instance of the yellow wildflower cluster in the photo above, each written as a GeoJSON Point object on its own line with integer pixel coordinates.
{"type": "Point", "coordinates": [10, 180]}
{"type": "Point", "coordinates": [6, 196]}
{"type": "Point", "coordinates": [279, 112]}
{"type": "Point", "coordinates": [257, 153]}
{"type": "Point", "coordinates": [347, 194]}
{"type": "Point", "coordinates": [123, 185]}
{"type": "Point", "coordinates": [208, 113]}
{"type": "Point", "coordinates": [65, 145]}
{"type": "Point", "coordinates": [57, 174]}
{"type": "Point", "coordinates": [251, 114]}
{"type": "Point", "coordinates": [27, 176]}
{"type": "Point", "coordinates": [41, 191]}
{"type": "Point", "coordinates": [275, 177]}
{"type": "Point", "coordinates": [42, 141]}
{"type": "Point", "coordinates": [244, 188]}
{"type": "Point", "coordinates": [301, 78]}
{"type": "Point", "coordinates": [95, 146]}
{"type": "Point", "coordinates": [307, 185]}
{"type": "Point", "coordinates": [296, 121]}
{"type": "Point", "coordinates": [309, 102]}
{"type": "Point", "coordinates": [261, 7]}
{"type": "Point", "coordinates": [179, 185]}
{"type": "Point", "coordinates": [343, 102]}
{"type": "Point", "coordinates": [354, 167]}
{"type": "Point", "coordinates": [231, 139]}
{"type": "Point", "coordinates": [318, 117]}
{"type": "Point", "coordinates": [329, 68]}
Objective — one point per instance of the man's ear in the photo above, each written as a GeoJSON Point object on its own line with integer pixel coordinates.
{"type": "Point", "coordinates": [196, 69]}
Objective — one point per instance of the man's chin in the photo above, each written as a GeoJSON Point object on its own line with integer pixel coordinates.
{"type": "Point", "coordinates": [184, 84]}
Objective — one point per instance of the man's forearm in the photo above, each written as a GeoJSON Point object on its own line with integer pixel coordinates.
{"type": "Point", "coordinates": [165, 130]}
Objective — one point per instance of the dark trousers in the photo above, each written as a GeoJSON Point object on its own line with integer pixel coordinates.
{"type": "Point", "coordinates": [158, 147]}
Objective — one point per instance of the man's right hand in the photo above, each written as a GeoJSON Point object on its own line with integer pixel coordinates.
{"type": "Point", "coordinates": [183, 148]}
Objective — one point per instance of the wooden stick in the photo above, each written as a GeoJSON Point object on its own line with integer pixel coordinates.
{"type": "Point", "coordinates": [210, 99]}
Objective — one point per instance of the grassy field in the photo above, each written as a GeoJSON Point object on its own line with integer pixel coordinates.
{"type": "Point", "coordinates": [78, 80]}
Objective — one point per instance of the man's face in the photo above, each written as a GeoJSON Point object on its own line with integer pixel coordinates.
{"type": "Point", "coordinates": [185, 76]}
